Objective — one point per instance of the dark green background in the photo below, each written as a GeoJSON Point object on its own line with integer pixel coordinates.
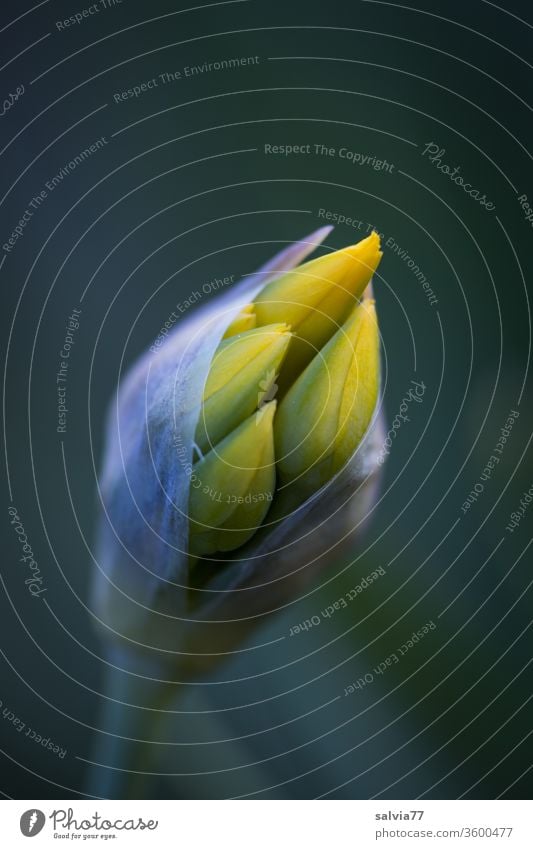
{"type": "Point", "coordinates": [192, 179]}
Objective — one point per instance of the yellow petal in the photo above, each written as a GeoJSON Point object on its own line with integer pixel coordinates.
{"type": "Point", "coordinates": [244, 320]}
{"type": "Point", "coordinates": [325, 414]}
{"type": "Point", "coordinates": [242, 375]}
{"type": "Point", "coordinates": [232, 487]}
{"type": "Point", "coordinates": [316, 298]}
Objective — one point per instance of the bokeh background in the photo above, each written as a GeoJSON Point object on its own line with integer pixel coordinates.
{"type": "Point", "coordinates": [180, 192]}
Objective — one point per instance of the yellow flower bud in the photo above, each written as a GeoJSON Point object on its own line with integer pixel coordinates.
{"type": "Point", "coordinates": [244, 320]}
{"type": "Point", "coordinates": [232, 487]}
{"type": "Point", "coordinates": [242, 376]}
{"type": "Point", "coordinates": [325, 414]}
{"type": "Point", "coordinates": [316, 298]}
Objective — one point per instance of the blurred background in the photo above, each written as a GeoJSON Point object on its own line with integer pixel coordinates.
{"type": "Point", "coordinates": [180, 187]}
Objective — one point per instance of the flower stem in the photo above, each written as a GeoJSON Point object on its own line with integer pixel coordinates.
{"type": "Point", "coordinates": [136, 690]}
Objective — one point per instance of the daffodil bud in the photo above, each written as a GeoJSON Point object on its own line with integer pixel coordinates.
{"type": "Point", "coordinates": [327, 411]}
{"type": "Point", "coordinates": [245, 320]}
{"type": "Point", "coordinates": [316, 298]}
{"type": "Point", "coordinates": [241, 376]}
{"type": "Point", "coordinates": [195, 549]}
{"type": "Point", "coordinates": [196, 415]}
{"type": "Point", "coordinates": [232, 487]}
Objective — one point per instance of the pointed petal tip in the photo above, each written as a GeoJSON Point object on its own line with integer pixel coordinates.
{"type": "Point", "coordinates": [280, 327]}
{"type": "Point", "coordinates": [370, 245]}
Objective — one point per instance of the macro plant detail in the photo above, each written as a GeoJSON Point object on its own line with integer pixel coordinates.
{"type": "Point", "coordinates": [322, 360]}
{"type": "Point", "coordinates": [241, 459]}
{"type": "Point", "coordinates": [267, 400]}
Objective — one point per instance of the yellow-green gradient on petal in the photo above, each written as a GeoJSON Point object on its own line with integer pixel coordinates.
{"type": "Point", "coordinates": [325, 414]}
{"type": "Point", "coordinates": [232, 487]}
{"type": "Point", "coordinates": [242, 373]}
{"type": "Point", "coordinates": [316, 298]}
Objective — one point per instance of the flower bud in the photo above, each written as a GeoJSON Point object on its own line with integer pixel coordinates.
{"type": "Point", "coordinates": [154, 516]}
{"type": "Point", "coordinates": [316, 298]}
{"type": "Point", "coordinates": [325, 414]}
{"type": "Point", "coordinates": [242, 374]}
{"type": "Point", "coordinates": [244, 320]}
{"type": "Point", "coordinates": [232, 487]}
